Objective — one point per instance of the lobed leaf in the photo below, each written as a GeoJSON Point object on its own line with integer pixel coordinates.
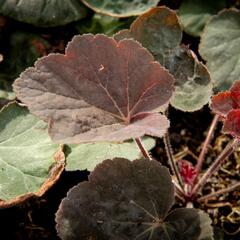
{"type": "Point", "coordinates": [43, 13]}
{"type": "Point", "coordinates": [87, 156]}
{"type": "Point", "coordinates": [227, 105]}
{"type": "Point", "coordinates": [104, 90]}
{"type": "Point", "coordinates": [193, 87]}
{"type": "Point", "coordinates": [220, 48]}
{"type": "Point", "coordinates": [26, 156]}
{"type": "Point", "coordinates": [160, 32]}
{"type": "Point", "coordinates": [223, 102]}
{"type": "Point", "coordinates": [232, 123]}
{"type": "Point", "coordinates": [127, 200]}
{"type": "Point", "coordinates": [120, 8]}
{"type": "Point", "coordinates": [195, 14]}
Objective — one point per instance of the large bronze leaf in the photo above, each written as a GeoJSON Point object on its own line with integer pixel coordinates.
{"type": "Point", "coordinates": [100, 90]}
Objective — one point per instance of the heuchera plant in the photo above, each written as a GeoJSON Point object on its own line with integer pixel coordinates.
{"type": "Point", "coordinates": [112, 89]}
{"type": "Point", "coordinates": [114, 95]}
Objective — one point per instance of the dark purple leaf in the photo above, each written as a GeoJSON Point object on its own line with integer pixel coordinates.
{"type": "Point", "coordinates": [127, 200]}
{"type": "Point", "coordinates": [100, 90]}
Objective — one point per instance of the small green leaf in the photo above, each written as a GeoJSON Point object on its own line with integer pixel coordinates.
{"type": "Point", "coordinates": [87, 156]}
{"type": "Point", "coordinates": [193, 87]}
{"type": "Point", "coordinates": [220, 48]}
{"type": "Point", "coordinates": [195, 14]}
{"type": "Point", "coordinates": [26, 154]}
{"type": "Point", "coordinates": [100, 23]}
{"type": "Point", "coordinates": [120, 8]}
{"type": "Point", "coordinates": [43, 13]}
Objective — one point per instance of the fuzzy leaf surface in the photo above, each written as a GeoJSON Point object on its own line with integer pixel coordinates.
{"type": "Point", "coordinates": [195, 14]}
{"type": "Point", "coordinates": [120, 8]}
{"type": "Point", "coordinates": [104, 91]}
{"type": "Point", "coordinates": [87, 156]}
{"type": "Point", "coordinates": [193, 87]}
{"type": "Point", "coordinates": [220, 48]}
{"type": "Point", "coordinates": [43, 13]}
{"type": "Point", "coordinates": [160, 32]}
{"type": "Point", "coordinates": [129, 200]}
{"type": "Point", "coordinates": [26, 154]}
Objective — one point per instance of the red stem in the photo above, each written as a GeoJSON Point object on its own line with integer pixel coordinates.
{"type": "Point", "coordinates": [220, 192]}
{"type": "Point", "coordinates": [228, 150]}
{"type": "Point", "coordinates": [206, 145]}
{"type": "Point", "coordinates": [172, 161]}
{"type": "Point", "coordinates": [142, 148]}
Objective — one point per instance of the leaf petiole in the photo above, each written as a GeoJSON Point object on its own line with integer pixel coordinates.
{"type": "Point", "coordinates": [142, 148]}
{"type": "Point", "coordinates": [228, 150]}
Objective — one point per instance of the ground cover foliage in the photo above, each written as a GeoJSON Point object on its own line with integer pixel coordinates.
{"type": "Point", "coordinates": [119, 119]}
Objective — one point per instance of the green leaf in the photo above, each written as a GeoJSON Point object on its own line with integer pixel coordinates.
{"type": "Point", "coordinates": [193, 87]}
{"type": "Point", "coordinates": [6, 89]}
{"type": "Point", "coordinates": [100, 23]}
{"type": "Point", "coordinates": [120, 8]}
{"type": "Point", "coordinates": [87, 156]}
{"type": "Point", "coordinates": [205, 225]}
{"type": "Point", "coordinates": [26, 154]}
{"type": "Point", "coordinates": [160, 32]}
{"type": "Point", "coordinates": [195, 14]}
{"type": "Point", "coordinates": [43, 13]}
{"type": "Point", "coordinates": [23, 50]}
{"type": "Point", "coordinates": [220, 48]}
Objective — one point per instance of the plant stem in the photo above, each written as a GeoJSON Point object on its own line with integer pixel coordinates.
{"type": "Point", "coordinates": [219, 192]}
{"type": "Point", "coordinates": [228, 150]}
{"type": "Point", "coordinates": [206, 144]}
{"type": "Point", "coordinates": [171, 160]}
{"type": "Point", "coordinates": [142, 148]}
{"type": "Point", "coordinates": [179, 191]}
